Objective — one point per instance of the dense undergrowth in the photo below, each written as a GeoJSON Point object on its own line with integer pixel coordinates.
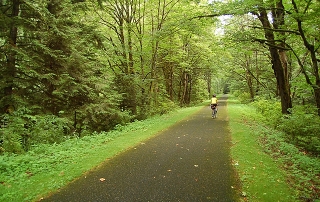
{"type": "Point", "coordinates": [292, 140]}
{"type": "Point", "coordinates": [22, 129]}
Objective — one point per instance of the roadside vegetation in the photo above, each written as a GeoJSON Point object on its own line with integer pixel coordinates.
{"type": "Point", "coordinates": [46, 167]}
{"type": "Point", "coordinates": [276, 156]}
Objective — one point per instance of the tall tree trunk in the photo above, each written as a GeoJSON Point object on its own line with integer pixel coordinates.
{"type": "Point", "coordinates": [250, 85]}
{"type": "Point", "coordinates": [277, 64]}
{"type": "Point", "coordinates": [185, 88]}
{"type": "Point", "coordinates": [317, 96]}
{"type": "Point", "coordinates": [249, 77]}
{"type": "Point", "coordinates": [208, 77]}
{"type": "Point", "coordinates": [257, 73]}
{"type": "Point", "coordinates": [168, 76]}
{"type": "Point", "coordinates": [9, 104]}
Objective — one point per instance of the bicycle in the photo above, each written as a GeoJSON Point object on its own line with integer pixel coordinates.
{"type": "Point", "coordinates": [214, 111]}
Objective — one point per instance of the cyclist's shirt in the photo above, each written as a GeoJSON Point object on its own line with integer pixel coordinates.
{"type": "Point", "coordinates": [214, 100]}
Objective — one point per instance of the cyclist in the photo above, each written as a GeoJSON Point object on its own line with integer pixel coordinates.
{"type": "Point", "coordinates": [213, 105]}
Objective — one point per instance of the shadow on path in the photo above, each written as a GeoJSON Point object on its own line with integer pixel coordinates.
{"type": "Point", "coordinates": [188, 162]}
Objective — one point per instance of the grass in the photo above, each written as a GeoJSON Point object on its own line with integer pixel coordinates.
{"type": "Point", "coordinates": [261, 176]}
{"type": "Point", "coordinates": [46, 168]}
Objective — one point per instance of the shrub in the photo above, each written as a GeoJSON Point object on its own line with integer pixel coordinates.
{"type": "Point", "coordinates": [12, 128]}
{"type": "Point", "coordinates": [244, 97]}
{"type": "Point", "coordinates": [302, 127]}
{"type": "Point", "coordinates": [100, 117]}
{"type": "Point", "coordinates": [20, 130]}
{"type": "Point", "coordinates": [270, 110]}
{"type": "Point", "coordinates": [47, 129]}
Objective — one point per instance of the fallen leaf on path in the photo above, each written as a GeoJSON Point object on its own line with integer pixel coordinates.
{"type": "Point", "coordinates": [102, 179]}
{"type": "Point", "coordinates": [196, 166]}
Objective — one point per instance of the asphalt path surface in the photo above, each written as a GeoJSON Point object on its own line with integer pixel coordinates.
{"type": "Point", "coordinates": [188, 162]}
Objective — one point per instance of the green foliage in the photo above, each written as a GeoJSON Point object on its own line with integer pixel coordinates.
{"type": "Point", "coordinates": [164, 107]}
{"type": "Point", "coordinates": [21, 130]}
{"type": "Point", "coordinates": [11, 136]}
{"type": "Point", "coordinates": [270, 111]}
{"type": "Point", "coordinates": [100, 117]}
{"type": "Point", "coordinates": [243, 97]}
{"type": "Point", "coordinates": [302, 127]}
{"type": "Point", "coordinates": [47, 129]}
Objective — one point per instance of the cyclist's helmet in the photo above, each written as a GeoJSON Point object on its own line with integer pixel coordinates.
{"type": "Point", "coordinates": [214, 95]}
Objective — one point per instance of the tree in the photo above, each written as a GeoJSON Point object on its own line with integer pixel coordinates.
{"type": "Point", "coordinates": [10, 12]}
{"type": "Point", "coordinates": [277, 49]}
{"type": "Point", "coordinates": [249, 61]}
{"type": "Point", "coordinates": [304, 16]}
{"type": "Point", "coordinates": [272, 38]}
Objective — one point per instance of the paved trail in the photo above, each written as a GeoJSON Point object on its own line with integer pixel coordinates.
{"type": "Point", "coordinates": [188, 162]}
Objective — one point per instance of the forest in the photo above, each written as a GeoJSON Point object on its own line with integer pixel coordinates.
{"type": "Point", "coordinates": [74, 68]}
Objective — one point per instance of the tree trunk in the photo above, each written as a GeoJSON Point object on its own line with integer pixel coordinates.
{"type": "Point", "coordinates": [10, 72]}
{"type": "Point", "coordinates": [168, 76]}
{"type": "Point", "coordinates": [249, 77]}
{"type": "Point", "coordinates": [257, 73]}
{"type": "Point", "coordinates": [317, 97]}
{"type": "Point", "coordinates": [277, 65]}
{"type": "Point", "coordinates": [283, 88]}
{"type": "Point", "coordinates": [250, 85]}
{"type": "Point", "coordinates": [185, 88]}
{"type": "Point", "coordinates": [208, 77]}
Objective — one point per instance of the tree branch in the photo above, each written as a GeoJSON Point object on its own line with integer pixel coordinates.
{"type": "Point", "coordinates": [206, 16]}
{"type": "Point", "coordinates": [268, 43]}
{"type": "Point", "coordinates": [276, 30]}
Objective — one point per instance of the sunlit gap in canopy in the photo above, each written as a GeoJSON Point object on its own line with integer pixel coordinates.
{"type": "Point", "coordinates": [223, 1]}
{"type": "Point", "coordinates": [223, 21]}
